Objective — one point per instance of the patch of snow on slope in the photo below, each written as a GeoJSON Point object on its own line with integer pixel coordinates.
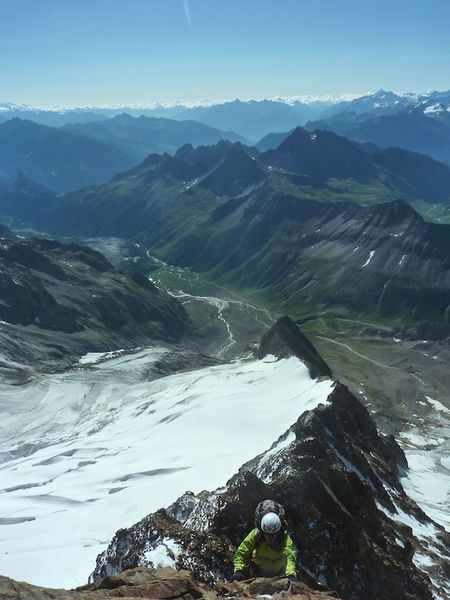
{"type": "Point", "coordinates": [433, 109]}
{"type": "Point", "coordinates": [164, 555]}
{"type": "Point", "coordinates": [438, 405]}
{"type": "Point", "coordinates": [94, 357]}
{"type": "Point", "coordinates": [270, 457]}
{"type": "Point", "coordinates": [97, 448]}
{"type": "Point", "coordinates": [372, 252]}
{"type": "Point", "coordinates": [427, 449]}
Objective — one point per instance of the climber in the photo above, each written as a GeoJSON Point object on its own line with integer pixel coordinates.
{"type": "Point", "coordinates": [267, 551]}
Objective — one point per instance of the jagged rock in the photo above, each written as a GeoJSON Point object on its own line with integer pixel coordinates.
{"type": "Point", "coordinates": [145, 583]}
{"type": "Point", "coordinates": [161, 584]}
{"type": "Point", "coordinates": [339, 481]}
{"type": "Point", "coordinates": [284, 339]}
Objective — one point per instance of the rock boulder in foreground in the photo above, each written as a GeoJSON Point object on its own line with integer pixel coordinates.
{"type": "Point", "coordinates": [162, 584]}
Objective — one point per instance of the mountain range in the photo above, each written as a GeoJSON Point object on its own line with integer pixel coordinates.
{"type": "Point", "coordinates": [277, 222]}
{"type": "Point", "coordinates": [75, 156]}
{"type": "Point", "coordinates": [386, 120]}
{"type": "Point", "coordinates": [59, 159]}
{"type": "Point", "coordinates": [142, 136]}
{"type": "Point", "coordinates": [413, 129]}
{"type": "Point", "coordinates": [111, 141]}
{"type": "Point", "coordinates": [252, 119]}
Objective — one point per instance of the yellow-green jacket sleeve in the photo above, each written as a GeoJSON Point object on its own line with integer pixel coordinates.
{"type": "Point", "coordinates": [289, 552]}
{"type": "Point", "coordinates": [244, 551]}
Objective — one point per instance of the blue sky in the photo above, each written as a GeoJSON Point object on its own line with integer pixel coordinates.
{"type": "Point", "coordinates": [78, 52]}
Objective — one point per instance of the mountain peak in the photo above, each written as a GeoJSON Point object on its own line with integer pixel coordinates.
{"type": "Point", "coordinates": [284, 339]}
{"type": "Point", "coordinates": [397, 210]}
{"type": "Point", "coordinates": [321, 155]}
{"type": "Point", "coordinates": [124, 118]}
{"type": "Point", "coordinates": [235, 172]}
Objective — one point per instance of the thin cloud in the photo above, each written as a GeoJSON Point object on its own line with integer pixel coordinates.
{"type": "Point", "coordinates": [187, 12]}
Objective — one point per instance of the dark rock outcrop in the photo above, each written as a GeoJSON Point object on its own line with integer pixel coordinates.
{"type": "Point", "coordinates": [284, 339]}
{"type": "Point", "coordinates": [339, 481]}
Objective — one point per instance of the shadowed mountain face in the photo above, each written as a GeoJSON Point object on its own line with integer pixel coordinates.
{"type": "Point", "coordinates": [321, 155]}
{"type": "Point", "coordinates": [56, 158]}
{"type": "Point", "coordinates": [253, 119]}
{"type": "Point", "coordinates": [59, 300]}
{"type": "Point", "coordinates": [141, 136]}
{"type": "Point", "coordinates": [339, 482]}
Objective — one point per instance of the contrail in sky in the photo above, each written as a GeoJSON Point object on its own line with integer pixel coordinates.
{"type": "Point", "coordinates": [187, 12]}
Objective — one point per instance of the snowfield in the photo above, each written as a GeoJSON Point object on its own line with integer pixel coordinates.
{"type": "Point", "coordinates": [95, 449]}
{"type": "Point", "coordinates": [427, 449]}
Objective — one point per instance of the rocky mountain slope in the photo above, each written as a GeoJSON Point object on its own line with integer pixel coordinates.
{"type": "Point", "coordinates": [340, 480]}
{"type": "Point", "coordinates": [58, 159]}
{"type": "Point", "coordinates": [334, 258]}
{"type": "Point", "coordinates": [59, 300]}
{"type": "Point", "coordinates": [290, 247]}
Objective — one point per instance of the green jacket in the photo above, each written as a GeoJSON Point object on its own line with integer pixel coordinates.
{"type": "Point", "coordinates": [269, 560]}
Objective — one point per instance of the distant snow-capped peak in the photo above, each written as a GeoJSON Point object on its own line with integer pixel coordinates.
{"type": "Point", "coordinates": [379, 97]}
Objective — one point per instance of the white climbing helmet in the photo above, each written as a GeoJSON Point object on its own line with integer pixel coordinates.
{"type": "Point", "coordinates": [270, 523]}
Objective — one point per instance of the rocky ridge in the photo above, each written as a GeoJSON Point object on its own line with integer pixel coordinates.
{"type": "Point", "coordinates": [286, 339]}
{"type": "Point", "coordinates": [340, 482]}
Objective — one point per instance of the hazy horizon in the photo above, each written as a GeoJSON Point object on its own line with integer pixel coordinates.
{"type": "Point", "coordinates": [83, 53]}
{"type": "Point", "coordinates": [325, 98]}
